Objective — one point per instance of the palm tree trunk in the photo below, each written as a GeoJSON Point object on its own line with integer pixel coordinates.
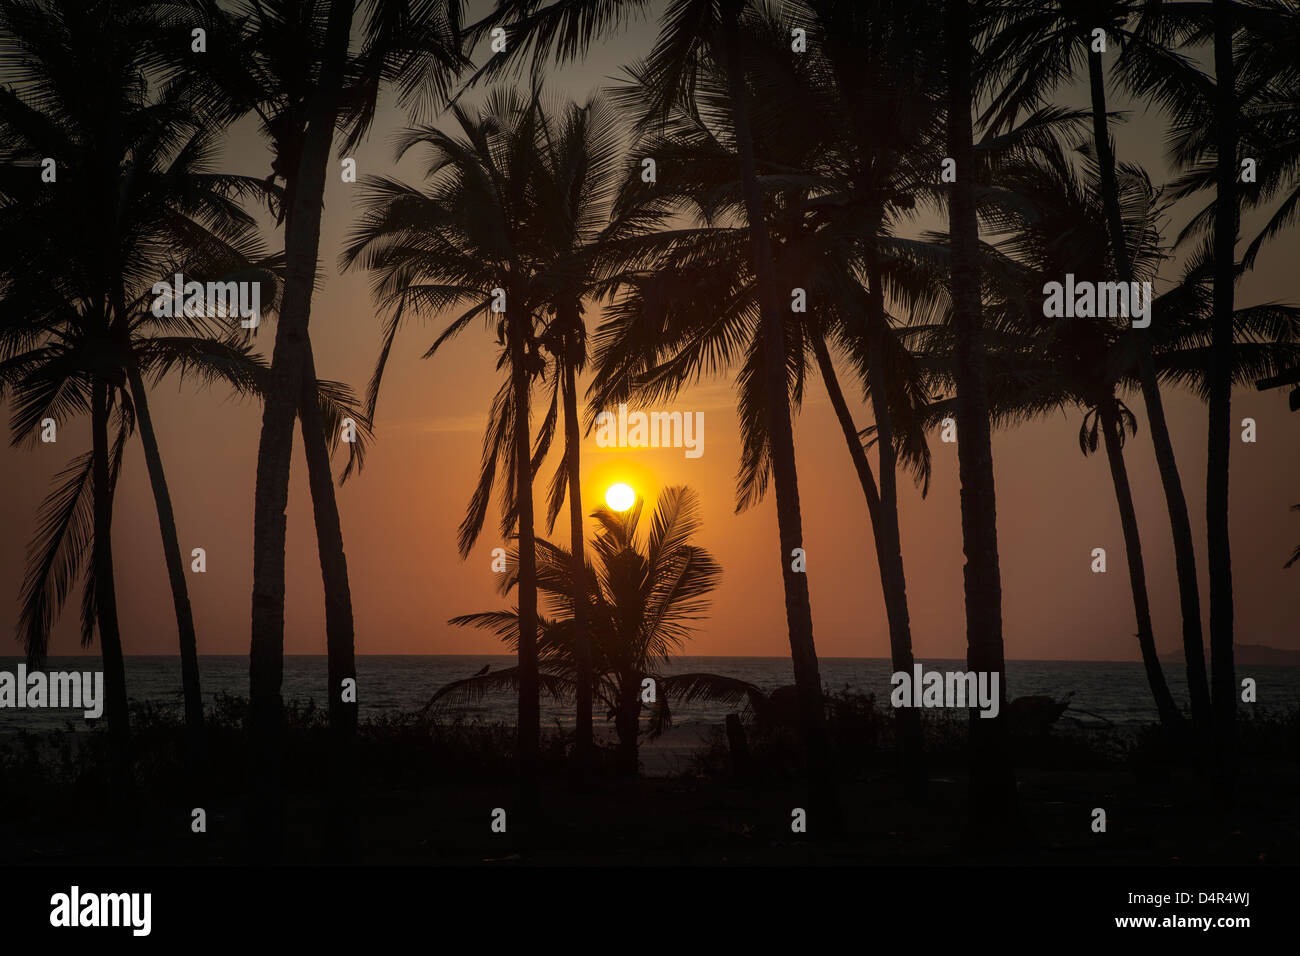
{"type": "Point", "coordinates": [196, 750]}
{"type": "Point", "coordinates": [785, 475]}
{"type": "Point", "coordinates": [893, 584]}
{"type": "Point", "coordinates": [1189, 597]}
{"type": "Point", "coordinates": [627, 723]}
{"type": "Point", "coordinates": [275, 447]}
{"type": "Point", "coordinates": [122, 775]}
{"type": "Point", "coordinates": [900, 629]}
{"type": "Point", "coordinates": [529, 727]}
{"type": "Point", "coordinates": [584, 742]}
{"type": "Point", "coordinates": [1220, 411]}
{"type": "Point", "coordinates": [1170, 718]}
{"type": "Point", "coordinates": [992, 779]}
{"type": "Point", "coordinates": [339, 633]}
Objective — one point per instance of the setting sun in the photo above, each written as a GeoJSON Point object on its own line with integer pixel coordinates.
{"type": "Point", "coordinates": [620, 497]}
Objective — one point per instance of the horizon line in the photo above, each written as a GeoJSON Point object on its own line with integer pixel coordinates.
{"type": "Point", "coordinates": [751, 657]}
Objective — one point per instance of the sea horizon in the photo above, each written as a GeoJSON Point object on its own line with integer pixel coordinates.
{"type": "Point", "coordinates": [1102, 694]}
{"type": "Point", "coordinates": [740, 657]}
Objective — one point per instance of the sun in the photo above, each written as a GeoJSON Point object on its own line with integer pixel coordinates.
{"type": "Point", "coordinates": [620, 497]}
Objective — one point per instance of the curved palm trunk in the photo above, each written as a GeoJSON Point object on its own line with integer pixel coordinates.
{"type": "Point", "coordinates": [195, 751]}
{"type": "Point", "coordinates": [1189, 597]}
{"type": "Point", "coordinates": [992, 780]}
{"type": "Point", "coordinates": [339, 634]}
{"type": "Point", "coordinates": [1170, 718]}
{"type": "Point", "coordinates": [529, 727]}
{"type": "Point", "coordinates": [785, 475]}
{"type": "Point", "coordinates": [892, 581]}
{"type": "Point", "coordinates": [584, 743]}
{"type": "Point", "coordinates": [900, 629]}
{"type": "Point", "coordinates": [275, 447]}
{"type": "Point", "coordinates": [1220, 413]}
{"type": "Point", "coordinates": [122, 779]}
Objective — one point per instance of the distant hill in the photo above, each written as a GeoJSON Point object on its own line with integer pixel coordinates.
{"type": "Point", "coordinates": [1250, 655]}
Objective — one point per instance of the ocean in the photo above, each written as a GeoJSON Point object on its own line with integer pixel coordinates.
{"type": "Point", "coordinates": [1105, 694]}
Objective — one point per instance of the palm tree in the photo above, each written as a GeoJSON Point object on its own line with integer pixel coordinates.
{"type": "Point", "coordinates": [992, 780]}
{"type": "Point", "coordinates": [1054, 222]}
{"type": "Point", "coordinates": [886, 145]}
{"type": "Point", "coordinates": [573, 182]}
{"type": "Point", "coordinates": [561, 232]}
{"type": "Point", "coordinates": [649, 590]}
{"type": "Point", "coordinates": [1220, 412]}
{"type": "Point", "coordinates": [1035, 48]}
{"type": "Point", "coordinates": [475, 236]}
{"type": "Point", "coordinates": [694, 308]}
{"type": "Point", "coordinates": [1248, 111]}
{"type": "Point", "coordinates": [694, 33]}
{"type": "Point", "coordinates": [1058, 223]}
{"type": "Point", "coordinates": [728, 48]}
{"type": "Point", "coordinates": [77, 335]}
{"type": "Point", "coordinates": [288, 61]}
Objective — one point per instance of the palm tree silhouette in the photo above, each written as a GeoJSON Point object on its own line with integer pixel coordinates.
{"type": "Point", "coordinates": [1053, 221]}
{"type": "Point", "coordinates": [1056, 223]}
{"type": "Point", "coordinates": [694, 33]}
{"type": "Point", "coordinates": [1246, 114]}
{"type": "Point", "coordinates": [79, 335]}
{"type": "Point", "coordinates": [578, 164]}
{"type": "Point", "coordinates": [1226, 216]}
{"type": "Point", "coordinates": [476, 235]}
{"type": "Point", "coordinates": [1248, 110]}
{"type": "Point", "coordinates": [1035, 48]}
{"type": "Point", "coordinates": [693, 311]}
{"type": "Point", "coordinates": [289, 62]}
{"type": "Point", "coordinates": [885, 145]}
{"type": "Point", "coordinates": [650, 589]}
{"type": "Point", "coordinates": [992, 780]}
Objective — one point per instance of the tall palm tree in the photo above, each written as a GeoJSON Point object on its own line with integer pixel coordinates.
{"type": "Point", "coordinates": [992, 780]}
{"type": "Point", "coordinates": [1059, 223]}
{"type": "Point", "coordinates": [1053, 221]}
{"type": "Point", "coordinates": [650, 589]}
{"type": "Point", "coordinates": [693, 33]}
{"type": "Point", "coordinates": [728, 48]}
{"type": "Point", "coordinates": [1035, 48]}
{"type": "Point", "coordinates": [1247, 111]}
{"type": "Point", "coordinates": [289, 62]}
{"type": "Point", "coordinates": [474, 236]}
{"type": "Point", "coordinates": [1220, 412]}
{"type": "Point", "coordinates": [695, 308]}
{"type": "Point", "coordinates": [881, 144]}
{"type": "Point", "coordinates": [77, 335]}
{"type": "Point", "coordinates": [579, 160]}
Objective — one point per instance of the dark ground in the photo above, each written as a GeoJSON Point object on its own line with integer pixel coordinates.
{"type": "Point", "coordinates": [429, 790]}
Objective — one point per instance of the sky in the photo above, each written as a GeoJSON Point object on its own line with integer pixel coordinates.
{"type": "Point", "coordinates": [400, 515]}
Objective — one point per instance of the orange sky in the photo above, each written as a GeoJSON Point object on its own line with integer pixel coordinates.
{"type": "Point", "coordinates": [400, 516]}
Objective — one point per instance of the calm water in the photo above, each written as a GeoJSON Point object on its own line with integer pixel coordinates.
{"type": "Point", "coordinates": [1117, 692]}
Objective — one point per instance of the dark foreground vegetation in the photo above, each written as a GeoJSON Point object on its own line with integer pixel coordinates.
{"type": "Point", "coordinates": [430, 785]}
